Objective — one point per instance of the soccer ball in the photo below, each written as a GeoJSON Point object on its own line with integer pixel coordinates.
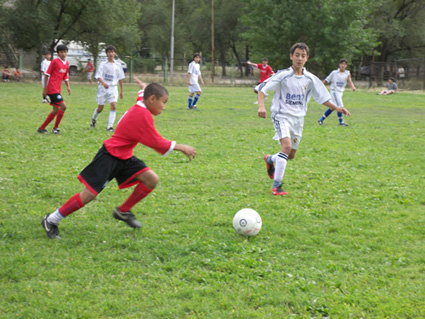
{"type": "Point", "coordinates": [247, 222]}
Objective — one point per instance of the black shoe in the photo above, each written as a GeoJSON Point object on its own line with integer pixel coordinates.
{"type": "Point", "coordinates": [52, 230]}
{"type": "Point", "coordinates": [56, 131]}
{"type": "Point", "coordinates": [93, 123]}
{"type": "Point", "coordinates": [110, 129]}
{"type": "Point", "coordinates": [126, 217]}
{"type": "Point", "coordinates": [320, 122]}
{"type": "Point", "coordinates": [39, 130]}
{"type": "Point", "coordinates": [270, 167]}
{"type": "Point", "coordinates": [195, 108]}
{"type": "Point", "coordinates": [343, 124]}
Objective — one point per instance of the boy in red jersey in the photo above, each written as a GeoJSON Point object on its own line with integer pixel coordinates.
{"type": "Point", "coordinates": [90, 70]}
{"type": "Point", "coordinates": [55, 74]}
{"type": "Point", "coordinates": [116, 160]}
{"type": "Point", "coordinates": [265, 71]}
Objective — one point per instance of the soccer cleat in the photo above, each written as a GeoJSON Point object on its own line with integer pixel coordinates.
{"type": "Point", "coordinates": [279, 191]}
{"type": "Point", "coordinates": [320, 122]}
{"type": "Point", "coordinates": [52, 230]}
{"type": "Point", "coordinates": [270, 168]}
{"type": "Point", "coordinates": [56, 131]}
{"type": "Point", "coordinates": [343, 124]}
{"type": "Point", "coordinates": [110, 129]}
{"type": "Point", "coordinates": [194, 107]}
{"type": "Point", "coordinates": [126, 217]}
{"type": "Point", "coordinates": [42, 131]}
{"type": "Point", "coordinates": [93, 123]}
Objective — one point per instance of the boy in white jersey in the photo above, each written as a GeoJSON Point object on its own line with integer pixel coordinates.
{"type": "Point", "coordinates": [43, 68]}
{"type": "Point", "coordinates": [293, 89]}
{"type": "Point", "coordinates": [109, 74]}
{"type": "Point", "coordinates": [193, 77]}
{"type": "Point", "coordinates": [338, 80]}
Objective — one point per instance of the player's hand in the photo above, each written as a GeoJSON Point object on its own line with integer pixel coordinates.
{"type": "Point", "coordinates": [354, 88]}
{"type": "Point", "coordinates": [188, 82]}
{"type": "Point", "coordinates": [69, 91]}
{"type": "Point", "coordinates": [203, 84]}
{"type": "Point", "coordinates": [186, 149]}
{"type": "Point", "coordinates": [343, 110]}
{"type": "Point", "coordinates": [262, 111]}
{"type": "Point", "coordinates": [121, 95]}
{"type": "Point", "coordinates": [105, 85]}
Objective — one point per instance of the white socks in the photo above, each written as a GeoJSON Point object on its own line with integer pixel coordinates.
{"type": "Point", "coordinates": [281, 160]}
{"type": "Point", "coordinates": [55, 217]}
{"type": "Point", "coordinates": [112, 115]}
{"type": "Point", "coordinates": [95, 114]}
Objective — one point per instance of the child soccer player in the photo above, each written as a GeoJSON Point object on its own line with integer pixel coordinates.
{"type": "Point", "coordinates": [293, 89]}
{"type": "Point", "coordinates": [391, 88]}
{"type": "Point", "coordinates": [17, 75]}
{"type": "Point", "coordinates": [193, 76]}
{"type": "Point", "coordinates": [44, 66]}
{"type": "Point", "coordinates": [90, 70]}
{"type": "Point", "coordinates": [115, 159]}
{"type": "Point", "coordinates": [55, 74]}
{"type": "Point", "coordinates": [338, 80]}
{"type": "Point", "coordinates": [6, 74]}
{"type": "Point", "coordinates": [265, 71]}
{"type": "Point", "coordinates": [109, 75]}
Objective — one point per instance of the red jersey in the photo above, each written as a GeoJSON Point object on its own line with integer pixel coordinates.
{"type": "Point", "coordinates": [90, 67]}
{"type": "Point", "coordinates": [57, 72]}
{"type": "Point", "coordinates": [265, 72]}
{"type": "Point", "coordinates": [136, 126]}
{"type": "Point", "coordinates": [140, 95]}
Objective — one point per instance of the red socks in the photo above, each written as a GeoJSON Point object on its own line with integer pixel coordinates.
{"type": "Point", "coordinates": [58, 118]}
{"type": "Point", "coordinates": [49, 118]}
{"type": "Point", "coordinates": [140, 192]}
{"type": "Point", "coordinates": [73, 204]}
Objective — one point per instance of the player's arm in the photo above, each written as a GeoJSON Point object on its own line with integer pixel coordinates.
{"type": "Point", "coordinates": [188, 78]}
{"type": "Point", "coordinates": [67, 86]}
{"type": "Point", "coordinates": [350, 81]}
{"type": "Point", "coordinates": [333, 107]}
{"type": "Point", "coordinates": [186, 149]}
{"type": "Point", "coordinates": [202, 81]}
{"type": "Point", "coordinates": [121, 88]}
{"type": "Point", "coordinates": [261, 108]}
{"type": "Point", "coordinates": [141, 84]}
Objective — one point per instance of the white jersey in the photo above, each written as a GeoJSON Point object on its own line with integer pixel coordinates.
{"type": "Point", "coordinates": [44, 66]}
{"type": "Point", "coordinates": [293, 92]}
{"type": "Point", "coordinates": [338, 80]}
{"type": "Point", "coordinates": [194, 71]}
{"type": "Point", "coordinates": [110, 73]}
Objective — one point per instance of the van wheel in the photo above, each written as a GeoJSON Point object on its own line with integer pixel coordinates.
{"type": "Point", "coordinates": [72, 70]}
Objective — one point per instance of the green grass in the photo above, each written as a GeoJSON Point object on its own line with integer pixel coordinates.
{"type": "Point", "coordinates": [348, 242]}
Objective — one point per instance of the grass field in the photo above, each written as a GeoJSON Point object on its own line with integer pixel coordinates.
{"type": "Point", "coordinates": [348, 242]}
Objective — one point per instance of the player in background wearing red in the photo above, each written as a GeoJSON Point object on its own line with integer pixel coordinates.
{"type": "Point", "coordinates": [265, 71]}
{"type": "Point", "coordinates": [90, 70]}
{"type": "Point", "coordinates": [55, 74]}
{"type": "Point", "coordinates": [115, 159]}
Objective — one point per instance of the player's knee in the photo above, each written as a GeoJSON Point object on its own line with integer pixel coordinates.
{"type": "Point", "coordinates": [151, 180]}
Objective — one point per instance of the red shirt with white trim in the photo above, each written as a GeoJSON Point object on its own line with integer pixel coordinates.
{"type": "Point", "coordinates": [140, 95]}
{"type": "Point", "coordinates": [265, 72]}
{"type": "Point", "coordinates": [136, 126]}
{"type": "Point", "coordinates": [57, 72]}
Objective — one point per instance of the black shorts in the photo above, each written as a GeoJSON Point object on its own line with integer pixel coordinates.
{"type": "Point", "coordinates": [56, 99]}
{"type": "Point", "coordinates": [106, 167]}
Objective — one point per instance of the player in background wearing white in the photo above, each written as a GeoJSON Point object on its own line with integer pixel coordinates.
{"type": "Point", "coordinates": [293, 89]}
{"type": "Point", "coordinates": [43, 68]}
{"type": "Point", "coordinates": [338, 80]}
{"type": "Point", "coordinates": [109, 75]}
{"type": "Point", "coordinates": [193, 77]}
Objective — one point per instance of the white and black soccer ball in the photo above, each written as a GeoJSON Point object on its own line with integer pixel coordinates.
{"type": "Point", "coordinates": [247, 222]}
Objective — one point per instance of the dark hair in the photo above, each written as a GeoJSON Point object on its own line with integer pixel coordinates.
{"type": "Point", "coordinates": [110, 48]}
{"type": "Point", "coordinates": [342, 61]}
{"type": "Point", "coordinates": [61, 47]}
{"type": "Point", "coordinates": [47, 52]}
{"type": "Point", "coordinates": [392, 79]}
{"type": "Point", "coordinates": [300, 45]}
{"type": "Point", "coordinates": [196, 54]}
{"type": "Point", "coordinates": [265, 59]}
{"type": "Point", "coordinates": [155, 89]}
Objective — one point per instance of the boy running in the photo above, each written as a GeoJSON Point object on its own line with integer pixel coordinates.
{"type": "Point", "coordinates": [43, 69]}
{"type": "Point", "coordinates": [115, 159]}
{"type": "Point", "coordinates": [338, 80]}
{"type": "Point", "coordinates": [53, 77]}
{"type": "Point", "coordinates": [109, 75]}
{"type": "Point", "coordinates": [265, 72]}
{"type": "Point", "coordinates": [293, 89]}
{"type": "Point", "coordinates": [193, 77]}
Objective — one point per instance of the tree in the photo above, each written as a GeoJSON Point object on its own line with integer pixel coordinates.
{"type": "Point", "coordinates": [332, 28]}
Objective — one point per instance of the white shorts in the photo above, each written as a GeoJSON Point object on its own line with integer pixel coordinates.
{"type": "Point", "coordinates": [107, 95]}
{"type": "Point", "coordinates": [42, 81]}
{"type": "Point", "coordinates": [336, 98]}
{"type": "Point", "coordinates": [89, 75]}
{"type": "Point", "coordinates": [193, 88]}
{"type": "Point", "coordinates": [288, 126]}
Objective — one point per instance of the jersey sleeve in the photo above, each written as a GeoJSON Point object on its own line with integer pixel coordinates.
{"type": "Point", "coordinates": [50, 68]}
{"type": "Point", "coordinates": [121, 74]}
{"type": "Point", "coordinates": [320, 93]}
{"type": "Point", "coordinates": [149, 136]}
{"type": "Point", "coordinates": [272, 84]}
{"type": "Point", "coordinates": [99, 71]}
{"type": "Point", "coordinates": [190, 69]}
{"type": "Point", "coordinates": [329, 77]}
